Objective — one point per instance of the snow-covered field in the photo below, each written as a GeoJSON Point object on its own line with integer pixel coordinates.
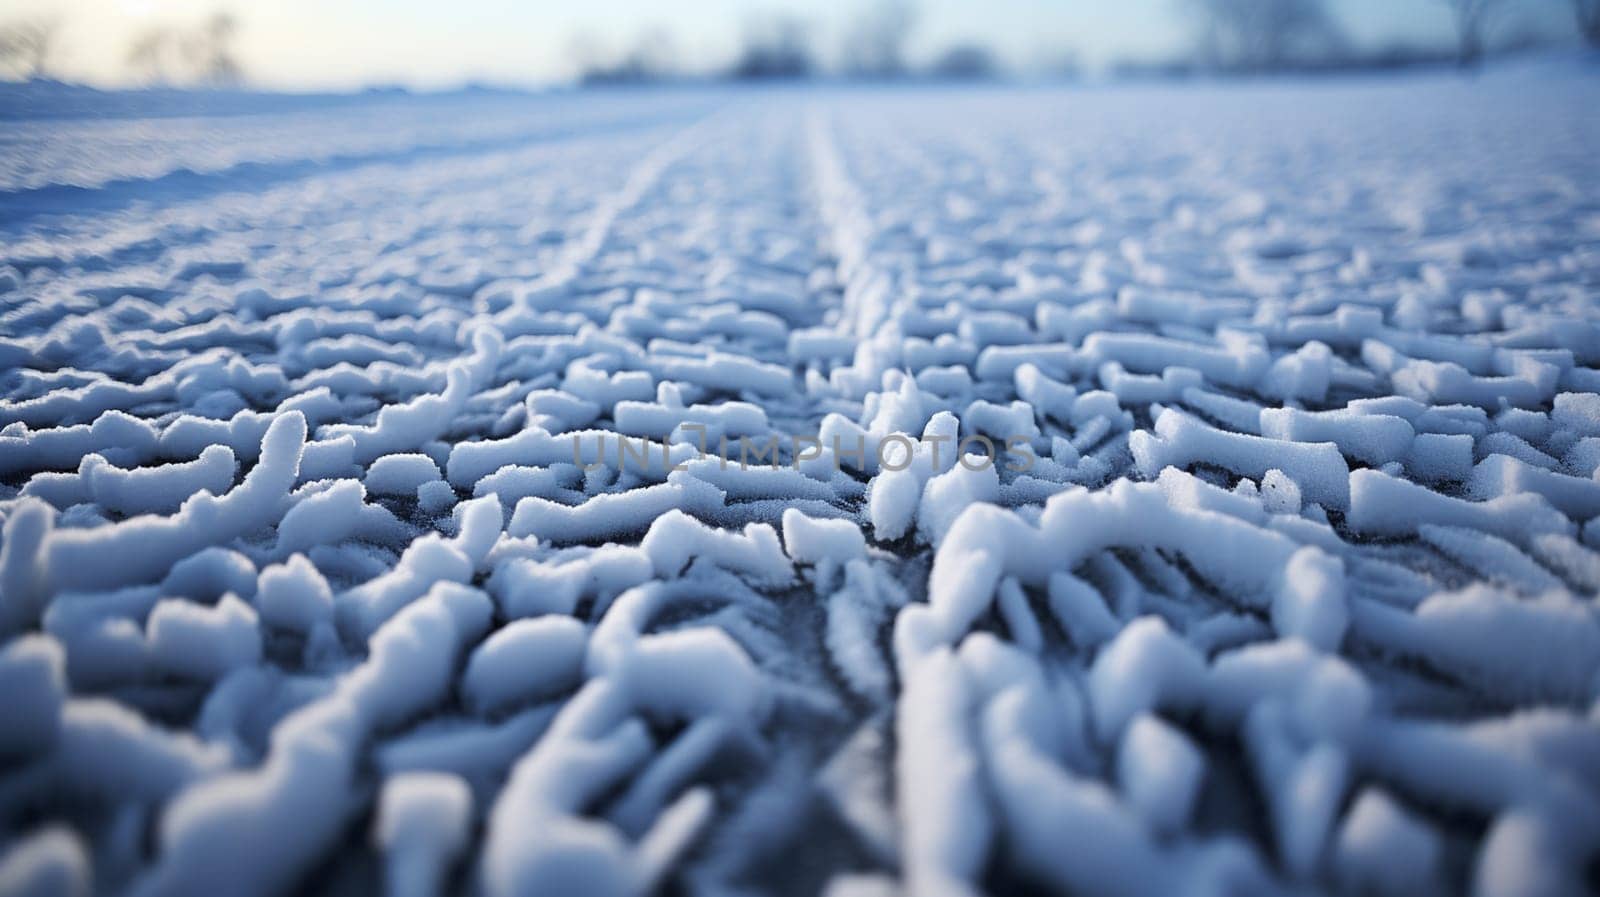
{"type": "Point", "coordinates": [336, 557]}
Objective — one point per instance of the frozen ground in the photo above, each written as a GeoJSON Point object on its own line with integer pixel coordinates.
{"type": "Point", "coordinates": [304, 592]}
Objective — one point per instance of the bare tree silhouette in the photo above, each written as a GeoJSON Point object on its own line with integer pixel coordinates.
{"type": "Point", "coordinates": [202, 54]}
{"type": "Point", "coordinates": [966, 62]}
{"type": "Point", "coordinates": [1265, 35]}
{"type": "Point", "coordinates": [157, 55]}
{"type": "Point", "coordinates": [1588, 13]}
{"type": "Point", "coordinates": [25, 47]}
{"type": "Point", "coordinates": [874, 46]}
{"type": "Point", "coordinates": [1471, 18]}
{"type": "Point", "coordinates": [210, 50]}
{"type": "Point", "coordinates": [653, 58]}
{"type": "Point", "coordinates": [776, 46]}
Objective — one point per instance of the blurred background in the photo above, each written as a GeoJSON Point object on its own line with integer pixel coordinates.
{"type": "Point", "coordinates": [342, 45]}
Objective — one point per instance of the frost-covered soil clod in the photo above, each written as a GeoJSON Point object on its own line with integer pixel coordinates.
{"type": "Point", "coordinates": [364, 526]}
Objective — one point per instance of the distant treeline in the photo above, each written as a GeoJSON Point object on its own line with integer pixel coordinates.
{"type": "Point", "coordinates": [161, 54]}
{"type": "Point", "coordinates": [783, 46]}
{"type": "Point", "coordinates": [1303, 36]}
{"type": "Point", "coordinates": [1228, 37]}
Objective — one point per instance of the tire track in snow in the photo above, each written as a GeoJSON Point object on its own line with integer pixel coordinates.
{"type": "Point", "coordinates": [21, 207]}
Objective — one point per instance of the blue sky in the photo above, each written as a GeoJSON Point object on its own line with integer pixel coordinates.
{"type": "Point", "coordinates": [318, 44]}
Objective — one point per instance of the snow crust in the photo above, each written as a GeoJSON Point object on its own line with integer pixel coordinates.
{"type": "Point", "coordinates": [1155, 490]}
